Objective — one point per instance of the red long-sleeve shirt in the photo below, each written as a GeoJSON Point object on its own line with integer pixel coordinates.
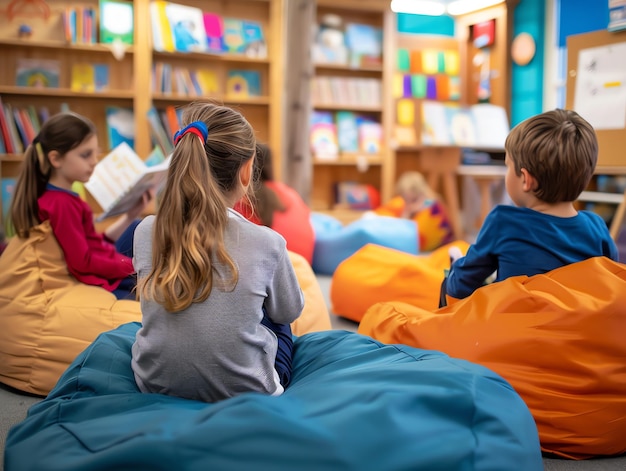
{"type": "Point", "coordinates": [90, 257]}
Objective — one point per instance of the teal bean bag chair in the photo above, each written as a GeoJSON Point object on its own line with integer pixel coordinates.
{"type": "Point", "coordinates": [335, 242]}
{"type": "Point", "coordinates": [354, 404]}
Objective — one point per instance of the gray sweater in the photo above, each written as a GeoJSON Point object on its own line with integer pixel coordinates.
{"type": "Point", "coordinates": [218, 349]}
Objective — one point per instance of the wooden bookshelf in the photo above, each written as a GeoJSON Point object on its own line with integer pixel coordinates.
{"type": "Point", "coordinates": [360, 167]}
{"type": "Point", "coordinates": [130, 77]}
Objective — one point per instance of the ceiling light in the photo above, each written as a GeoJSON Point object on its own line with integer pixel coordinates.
{"type": "Point", "coordinates": [461, 7]}
{"type": "Point", "coordinates": [418, 7]}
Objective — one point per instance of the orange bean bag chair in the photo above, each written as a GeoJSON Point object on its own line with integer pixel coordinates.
{"type": "Point", "coordinates": [47, 317]}
{"type": "Point", "coordinates": [558, 338]}
{"type": "Point", "coordinates": [375, 274]}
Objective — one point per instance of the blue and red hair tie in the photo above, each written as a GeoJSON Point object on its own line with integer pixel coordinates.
{"type": "Point", "coordinates": [197, 127]}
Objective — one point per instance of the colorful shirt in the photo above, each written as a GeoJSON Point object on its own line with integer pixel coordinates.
{"type": "Point", "coordinates": [90, 257]}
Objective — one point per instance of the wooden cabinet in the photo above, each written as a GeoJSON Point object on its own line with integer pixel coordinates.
{"type": "Point", "coordinates": [130, 78]}
{"type": "Point", "coordinates": [362, 167]}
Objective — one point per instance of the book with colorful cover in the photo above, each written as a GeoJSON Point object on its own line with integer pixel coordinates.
{"type": "Point", "coordinates": [243, 83]}
{"type": "Point", "coordinates": [254, 40]}
{"type": "Point", "coordinates": [187, 26]}
{"type": "Point", "coordinates": [116, 22]}
{"type": "Point", "coordinates": [234, 39]}
{"type": "Point", "coordinates": [347, 131]}
{"type": "Point", "coordinates": [8, 188]}
{"type": "Point", "coordinates": [364, 43]}
{"type": "Point", "coordinates": [162, 37]}
{"type": "Point", "coordinates": [121, 178]}
{"type": "Point", "coordinates": [120, 126]}
{"type": "Point", "coordinates": [323, 136]}
{"type": "Point", "coordinates": [214, 27]}
{"type": "Point", "coordinates": [206, 81]}
{"type": "Point", "coordinates": [37, 73]}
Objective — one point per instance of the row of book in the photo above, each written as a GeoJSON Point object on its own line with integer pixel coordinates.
{"type": "Point", "coordinates": [344, 91]}
{"type": "Point", "coordinates": [183, 28]}
{"type": "Point", "coordinates": [19, 126]}
{"type": "Point", "coordinates": [181, 81]}
{"type": "Point", "coordinates": [343, 132]}
{"type": "Point", "coordinates": [353, 44]}
{"type": "Point", "coordinates": [112, 21]}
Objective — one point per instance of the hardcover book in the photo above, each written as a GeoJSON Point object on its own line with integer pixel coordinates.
{"type": "Point", "coordinates": [38, 73]}
{"type": "Point", "coordinates": [121, 179]}
{"type": "Point", "coordinates": [116, 22]}
{"type": "Point", "coordinates": [120, 126]}
{"type": "Point", "coordinates": [243, 83]}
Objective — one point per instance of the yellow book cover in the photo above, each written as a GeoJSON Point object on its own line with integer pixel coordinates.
{"type": "Point", "coordinates": [162, 38]}
{"type": "Point", "coordinates": [83, 78]}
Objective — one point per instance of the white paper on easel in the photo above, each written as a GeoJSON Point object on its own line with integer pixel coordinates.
{"type": "Point", "coordinates": [600, 92]}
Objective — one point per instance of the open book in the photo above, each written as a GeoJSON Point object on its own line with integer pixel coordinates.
{"type": "Point", "coordinates": [121, 178]}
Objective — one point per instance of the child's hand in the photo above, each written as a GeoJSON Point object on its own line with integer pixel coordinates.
{"type": "Point", "coordinates": [141, 205]}
{"type": "Point", "coordinates": [455, 253]}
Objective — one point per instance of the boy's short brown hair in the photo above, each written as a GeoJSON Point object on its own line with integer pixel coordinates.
{"type": "Point", "coordinates": [559, 149]}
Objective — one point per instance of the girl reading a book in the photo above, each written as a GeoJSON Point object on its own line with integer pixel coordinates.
{"type": "Point", "coordinates": [217, 292]}
{"type": "Point", "coordinates": [66, 151]}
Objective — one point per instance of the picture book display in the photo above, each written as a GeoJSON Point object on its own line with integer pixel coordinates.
{"type": "Point", "coordinates": [214, 28]}
{"type": "Point", "coordinates": [38, 73]}
{"type": "Point", "coordinates": [121, 179]}
{"type": "Point", "coordinates": [244, 37]}
{"type": "Point", "coordinates": [120, 126]}
{"type": "Point", "coordinates": [87, 77]}
{"type": "Point", "coordinates": [177, 27]}
{"type": "Point", "coordinates": [482, 125]}
{"type": "Point", "coordinates": [116, 22]}
{"type": "Point", "coordinates": [323, 136]}
{"type": "Point", "coordinates": [243, 83]}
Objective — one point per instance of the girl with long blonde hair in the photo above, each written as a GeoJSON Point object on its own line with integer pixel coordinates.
{"type": "Point", "coordinates": [217, 292]}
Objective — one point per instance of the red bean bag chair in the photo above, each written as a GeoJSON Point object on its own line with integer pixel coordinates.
{"type": "Point", "coordinates": [293, 224]}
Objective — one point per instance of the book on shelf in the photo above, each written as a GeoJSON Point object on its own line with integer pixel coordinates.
{"type": "Point", "coordinates": [121, 179]}
{"type": "Point", "coordinates": [243, 83]}
{"type": "Point", "coordinates": [87, 77]}
{"type": "Point", "coordinates": [116, 22]}
{"type": "Point", "coordinates": [364, 44]}
{"type": "Point", "coordinates": [370, 137]}
{"type": "Point", "coordinates": [347, 131]}
{"type": "Point", "coordinates": [7, 188]}
{"type": "Point", "coordinates": [158, 132]}
{"type": "Point", "coordinates": [37, 73]}
{"type": "Point", "coordinates": [120, 126]}
{"type": "Point", "coordinates": [323, 136]}
{"type": "Point", "coordinates": [177, 27]}
{"type": "Point", "coordinates": [482, 125]}
{"type": "Point", "coordinates": [244, 37]}
{"type": "Point", "coordinates": [80, 24]}
{"type": "Point", "coordinates": [214, 28]}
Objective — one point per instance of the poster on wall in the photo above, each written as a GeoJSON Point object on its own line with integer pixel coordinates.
{"type": "Point", "coordinates": [617, 15]}
{"type": "Point", "coordinates": [600, 92]}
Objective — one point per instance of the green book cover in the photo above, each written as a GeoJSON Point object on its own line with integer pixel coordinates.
{"type": "Point", "coordinates": [116, 22]}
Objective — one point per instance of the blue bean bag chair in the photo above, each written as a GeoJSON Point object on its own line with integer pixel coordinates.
{"type": "Point", "coordinates": [335, 242]}
{"type": "Point", "coordinates": [354, 404]}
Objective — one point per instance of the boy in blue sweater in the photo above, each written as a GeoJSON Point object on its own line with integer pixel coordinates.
{"type": "Point", "coordinates": [550, 159]}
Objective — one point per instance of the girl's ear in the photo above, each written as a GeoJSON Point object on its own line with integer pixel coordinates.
{"type": "Point", "coordinates": [55, 158]}
{"type": "Point", "coordinates": [529, 183]}
{"type": "Point", "coordinates": [245, 173]}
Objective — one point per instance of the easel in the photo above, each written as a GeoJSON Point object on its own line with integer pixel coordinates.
{"type": "Point", "coordinates": [612, 143]}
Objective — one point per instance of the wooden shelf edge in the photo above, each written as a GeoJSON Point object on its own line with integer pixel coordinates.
{"type": "Point", "coordinates": [208, 55]}
{"type": "Point", "coordinates": [262, 100]}
{"type": "Point", "coordinates": [11, 157]}
{"type": "Point", "coordinates": [65, 92]}
{"type": "Point", "coordinates": [51, 44]}
{"type": "Point", "coordinates": [347, 107]}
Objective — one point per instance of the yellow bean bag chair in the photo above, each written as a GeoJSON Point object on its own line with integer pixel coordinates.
{"type": "Point", "coordinates": [47, 317]}
{"type": "Point", "coordinates": [315, 316]}
{"type": "Point", "coordinates": [558, 338]}
{"type": "Point", "coordinates": [375, 274]}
